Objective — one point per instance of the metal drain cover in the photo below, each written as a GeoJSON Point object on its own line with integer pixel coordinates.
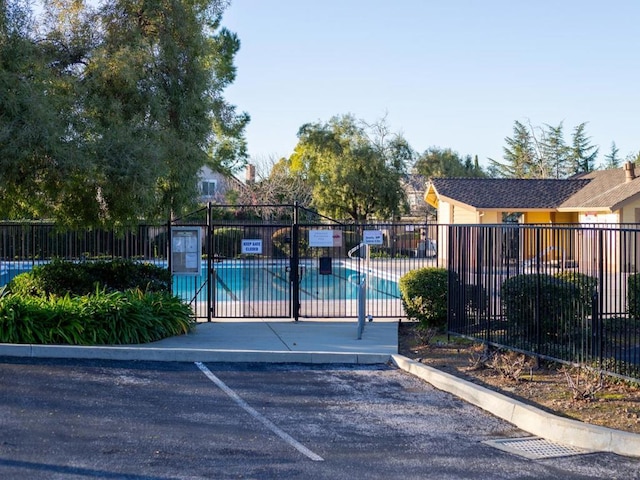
{"type": "Point", "coordinates": [534, 448]}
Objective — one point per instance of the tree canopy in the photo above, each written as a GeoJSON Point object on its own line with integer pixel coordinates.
{"type": "Point", "coordinates": [111, 111]}
{"type": "Point", "coordinates": [542, 152]}
{"type": "Point", "coordinates": [354, 169]}
{"type": "Point", "coordinates": [444, 162]}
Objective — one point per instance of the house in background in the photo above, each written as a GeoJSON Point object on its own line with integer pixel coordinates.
{"type": "Point", "coordinates": [413, 185]}
{"type": "Point", "coordinates": [214, 186]}
{"type": "Point", "coordinates": [609, 197]}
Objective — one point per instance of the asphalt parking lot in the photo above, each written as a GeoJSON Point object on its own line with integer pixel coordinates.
{"type": "Point", "coordinates": [84, 419]}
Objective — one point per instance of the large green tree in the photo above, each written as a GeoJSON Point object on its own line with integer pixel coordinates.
{"type": "Point", "coordinates": [439, 162]}
{"type": "Point", "coordinates": [520, 159]}
{"type": "Point", "coordinates": [32, 158]}
{"type": "Point", "coordinates": [355, 169]}
{"type": "Point", "coordinates": [128, 101]}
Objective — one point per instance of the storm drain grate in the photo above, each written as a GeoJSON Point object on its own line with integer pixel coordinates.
{"type": "Point", "coordinates": [534, 448]}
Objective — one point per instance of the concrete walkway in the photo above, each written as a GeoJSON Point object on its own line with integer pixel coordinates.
{"type": "Point", "coordinates": [335, 341]}
{"type": "Point", "coordinates": [306, 341]}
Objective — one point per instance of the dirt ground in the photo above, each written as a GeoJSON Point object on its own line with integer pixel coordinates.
{"type": "Point", "coordinates": [614, 404]}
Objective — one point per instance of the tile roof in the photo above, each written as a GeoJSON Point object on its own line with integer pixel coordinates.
{"type": "Point", "coordinates": [508, 193]}
{"type": "Point", "coordinates": [606, 189]}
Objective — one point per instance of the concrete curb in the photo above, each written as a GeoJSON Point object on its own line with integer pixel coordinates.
{"type": "Point", "coordinates": [187, 354]}
{"type": "Point", "coordinates": [530, 419]}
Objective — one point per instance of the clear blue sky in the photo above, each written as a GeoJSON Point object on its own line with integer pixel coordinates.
{"type": "Point", "coordinates": [448, 73]}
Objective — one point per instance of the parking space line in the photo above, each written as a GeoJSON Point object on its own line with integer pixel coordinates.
{"type": "Point", "coordinates": [255, 414]}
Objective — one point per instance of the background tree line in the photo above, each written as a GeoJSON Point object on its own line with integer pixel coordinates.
{"type": "Point", "coordinates": [347, 168]}
{"type": "Point", "coordinates": [107, 113]}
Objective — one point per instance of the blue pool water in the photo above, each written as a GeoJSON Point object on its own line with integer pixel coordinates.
{"type": "Point", "coordinates": [10, 270]}
{"type": "Point", "coordinates": [271, 282]}
{"type": "Point", "coordinates": [236, 281]}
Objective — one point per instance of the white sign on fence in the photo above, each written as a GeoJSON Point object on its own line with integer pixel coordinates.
{"type": "Point", "coordinates": [372, 237]}
{"type": "Point", "coordinates": [252, 247]}
{"type": "Point", "coordinates": [325, 238]}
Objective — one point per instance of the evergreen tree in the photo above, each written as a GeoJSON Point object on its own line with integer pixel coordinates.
{"type": "Point", "coordinates": [555, 152]}
{"type": "Point", "coordinates": [612, 160]}
{"type": "Point", "coordinates": [445, 163]}
{"type": "Point", "coordinates": [520, 159]}
{"type": "Point", "coordinates": [582, 156]}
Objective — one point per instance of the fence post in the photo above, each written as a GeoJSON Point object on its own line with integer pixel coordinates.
{"type": "Point", "coordinates": [452, 302]}
{"type": "Point", "coordinates": [600, 299]}
{"type": "Point", "coordinates": [210, 279]}
{"type": "Point", "coordinates": [295, 259]}
{"type": "Point", "coordinates": [169, 255]}
{"type": "Point", "coordinates": [595, 327]}
{"type": "Point", "coordinates": [536, 313]}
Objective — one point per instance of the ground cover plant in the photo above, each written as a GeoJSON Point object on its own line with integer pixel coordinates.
{"type": "Point", "coordinates": [574, 392]}
{"type": "Point", "coordinates": [91, 303]}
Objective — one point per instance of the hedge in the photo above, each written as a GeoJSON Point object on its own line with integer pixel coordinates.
{"type": "Point", "coordinates": [424, 296]}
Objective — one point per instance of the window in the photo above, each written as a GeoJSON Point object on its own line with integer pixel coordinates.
{"type": "Point", "coordinates": [208, 188]}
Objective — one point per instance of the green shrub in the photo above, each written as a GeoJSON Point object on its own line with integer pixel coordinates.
{"type": "Point", "coordinates": [282, 239]}
{"type": "Point", "coordinates": [556, 303]}
{"type": "Point", "coordinates": [633, 296]}
{"type": "Point", "coordinates": [227, 242]}
{"type": "Point", "coordinates": [60, 278]}
{"type": "Point", "coordinates": [120, 275]}
{"type": "Point", "coordinates": [586, 286]}
{"type": "Point", "coordinates": [101, 318]}
{"type": "Point", "coordinates": [424, 296]}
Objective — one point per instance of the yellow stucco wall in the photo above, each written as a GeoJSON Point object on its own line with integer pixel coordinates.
{"type": "Point", "coordinates": [536, 217]}
{"type": "Point", "coordinates": [564, 217]}
{"type": "Point", "coordinates": [463, 216]}
{"type": "Point", "coordinates": [489, 218]}
{"type": "Point", "coordinates": [444, 213]}
{"type": "Point", "coordinates": [628, 212]}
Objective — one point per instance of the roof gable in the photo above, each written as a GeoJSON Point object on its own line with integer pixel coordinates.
{"type": "Point", "coordinates": [607, 189]}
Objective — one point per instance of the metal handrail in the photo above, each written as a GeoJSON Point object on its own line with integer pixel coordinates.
{"type": "Point", "coordinates": [357, 247]}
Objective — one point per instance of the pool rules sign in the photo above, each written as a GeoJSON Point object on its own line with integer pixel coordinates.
{"type": "Point", "coordinates": [325, 238]}
{"type": "Point", "coordinates": [186, 247]}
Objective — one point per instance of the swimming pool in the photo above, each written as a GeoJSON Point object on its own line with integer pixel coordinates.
{"type": "Point", "coordinates": [8, 270]}
{"type": "Point", "coordinates": [270, 282]}
{"type": "Point", "coordinates": [263, 281]}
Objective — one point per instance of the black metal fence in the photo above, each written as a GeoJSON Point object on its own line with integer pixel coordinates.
{"type": "Point", "coordinates": [563, 292]}
{"type": "Point", "coordinates": [307, 266]}
{"type": "Point", "coordinates": [24, 245]}
{"type": "Point", "coordinates": [300, 264]}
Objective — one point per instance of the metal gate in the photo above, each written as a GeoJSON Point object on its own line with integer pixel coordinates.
{"type": "Point", "coordinates": [286, 261]}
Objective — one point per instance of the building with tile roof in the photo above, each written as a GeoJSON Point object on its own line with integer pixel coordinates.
{"type": "Point", "coordinates": [608, 199]}
{"type": "Point", "coordinates": [602, 196]}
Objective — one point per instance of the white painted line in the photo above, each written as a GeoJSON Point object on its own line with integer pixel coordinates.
{"type": "Point", "coordinates": [251, 411]}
